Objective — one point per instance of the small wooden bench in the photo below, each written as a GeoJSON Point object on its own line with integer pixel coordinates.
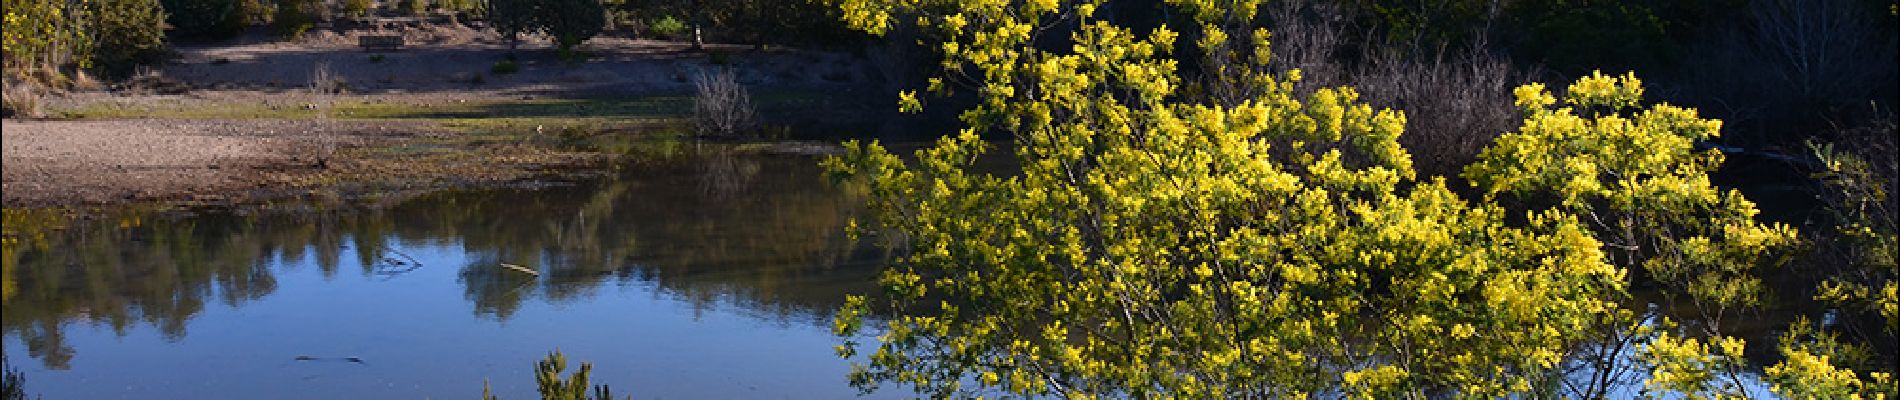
{"type": "Point", "coordinates": [380, 42]}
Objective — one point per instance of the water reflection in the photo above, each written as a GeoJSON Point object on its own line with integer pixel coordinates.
{"type": "Point", "coordinates": [761, 234]}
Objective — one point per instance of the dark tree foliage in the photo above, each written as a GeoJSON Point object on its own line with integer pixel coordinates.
{"type": "Point", "coordinates": [1428, 22]}
{"type": "Point", "coordinates": [1575, 36]}
{"type": "Point", "coordinates": [293, 17]}
{"type": "Point", "coordinates": [206, 19]}
{"type": "Point", "coordinates": [512, 18]}
{"type": "Point", "coordinates": [126, 33]}
{"type": "Point", "coordinates": [413, 7]}
{"type": "Point", "coordinates": [570, 22]}
{"type": "Point", "coordinates": [758, 22]}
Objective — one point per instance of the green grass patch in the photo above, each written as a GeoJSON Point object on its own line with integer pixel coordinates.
{"type": "Point", "coordinates": [187, 109]}
{"type": "Point", "coordinates": [299, 106]}
{"type": "Point", "coordinates": [650, 107]}
{"type": "Point", "coordinates": [505, 67]}
{"type": "Point", "coordinates": [610, 111]}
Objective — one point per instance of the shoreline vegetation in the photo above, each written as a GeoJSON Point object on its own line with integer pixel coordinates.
{"type": "Point", "coordinates": [235, 151]}
{"type": "Point", "coordinates": [255, 123]}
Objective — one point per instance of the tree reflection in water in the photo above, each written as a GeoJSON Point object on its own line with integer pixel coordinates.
{"type": "Point", "coordinates": [711, 228]}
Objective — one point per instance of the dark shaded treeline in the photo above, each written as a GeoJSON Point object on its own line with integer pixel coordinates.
{"type": "Point", "coordinates": [1777, 71]}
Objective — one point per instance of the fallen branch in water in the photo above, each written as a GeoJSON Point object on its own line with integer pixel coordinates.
{"type": "Point", "coordinates": [521, 269]}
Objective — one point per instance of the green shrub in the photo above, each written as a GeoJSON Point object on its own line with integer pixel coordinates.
{"type": "Point", "coordinates": [413, 7]}
{"type": "Point", "coordinates": [41, 33]}
{"type": "Point", "coordinates": [666, 27]}
{"type": "Point", "coordinates": [505, 67]}
{"type": "Point", "coordinates": [461, 7]}
{"type": "Point", "coordinates": [356, 8]}
{"type": "Point", "coordinates": [293, 17]}
{"type": "Point", "coordinates": [126, 33]}
{"type": "Point", "coordinates": [244, 14]}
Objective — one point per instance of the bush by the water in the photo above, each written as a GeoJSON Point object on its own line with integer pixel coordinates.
{"type": "Point", "coordinates": [721, 106]}
{"type": "Point", "coordinates": [551, 385]}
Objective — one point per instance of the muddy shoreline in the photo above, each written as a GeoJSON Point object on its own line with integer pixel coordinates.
{"type": "Point", "coordinates": [228, 162]}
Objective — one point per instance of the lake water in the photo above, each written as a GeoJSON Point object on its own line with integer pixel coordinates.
{"type": "Point", "coordinates": [692, 275]}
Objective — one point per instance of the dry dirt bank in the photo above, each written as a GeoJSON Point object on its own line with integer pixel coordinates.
{"type": "Point", "coordinates": [236, 122]}
{"type": "Point", "coordinates": [67, 163]}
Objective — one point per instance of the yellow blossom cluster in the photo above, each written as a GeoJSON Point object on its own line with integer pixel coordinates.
{"type": "Point", "coordinates": [1220, 235]}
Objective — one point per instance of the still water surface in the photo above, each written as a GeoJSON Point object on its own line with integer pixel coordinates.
{"type": "Point", "coordinates": [695, 275]}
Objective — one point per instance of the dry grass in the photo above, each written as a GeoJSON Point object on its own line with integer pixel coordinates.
{"type": "Point", "coordinates": [1454, 105]}
{"type": "Point", "coordinates": [21, 99]}
{"type": "Point", "coordinates": [83, 81]}
{"type": "Point", "coordinates": [722, 107]}
{"type": "Point", "coordinates": [324, 81]}
{"type": "Point", "coordinates": [1309, 36]}
{"type": "Point", "coordinates": [147, 80]}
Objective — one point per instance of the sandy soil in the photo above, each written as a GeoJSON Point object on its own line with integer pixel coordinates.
{"type": "Point", "coordinates": [98, 162]}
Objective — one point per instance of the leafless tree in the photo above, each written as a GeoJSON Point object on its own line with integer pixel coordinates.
{"type": "Point", "coordinates": [722, 107]}
{"type": "Point", "coordinates": [325, 86]}
{"type": "Point", "coordinates": [1792, 63]}
{"type": "Point", "coordinates": [1455, 104]}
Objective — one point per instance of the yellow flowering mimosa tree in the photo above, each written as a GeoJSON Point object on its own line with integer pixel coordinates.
{"type": "Point", "coordinates": [1217, 235]}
